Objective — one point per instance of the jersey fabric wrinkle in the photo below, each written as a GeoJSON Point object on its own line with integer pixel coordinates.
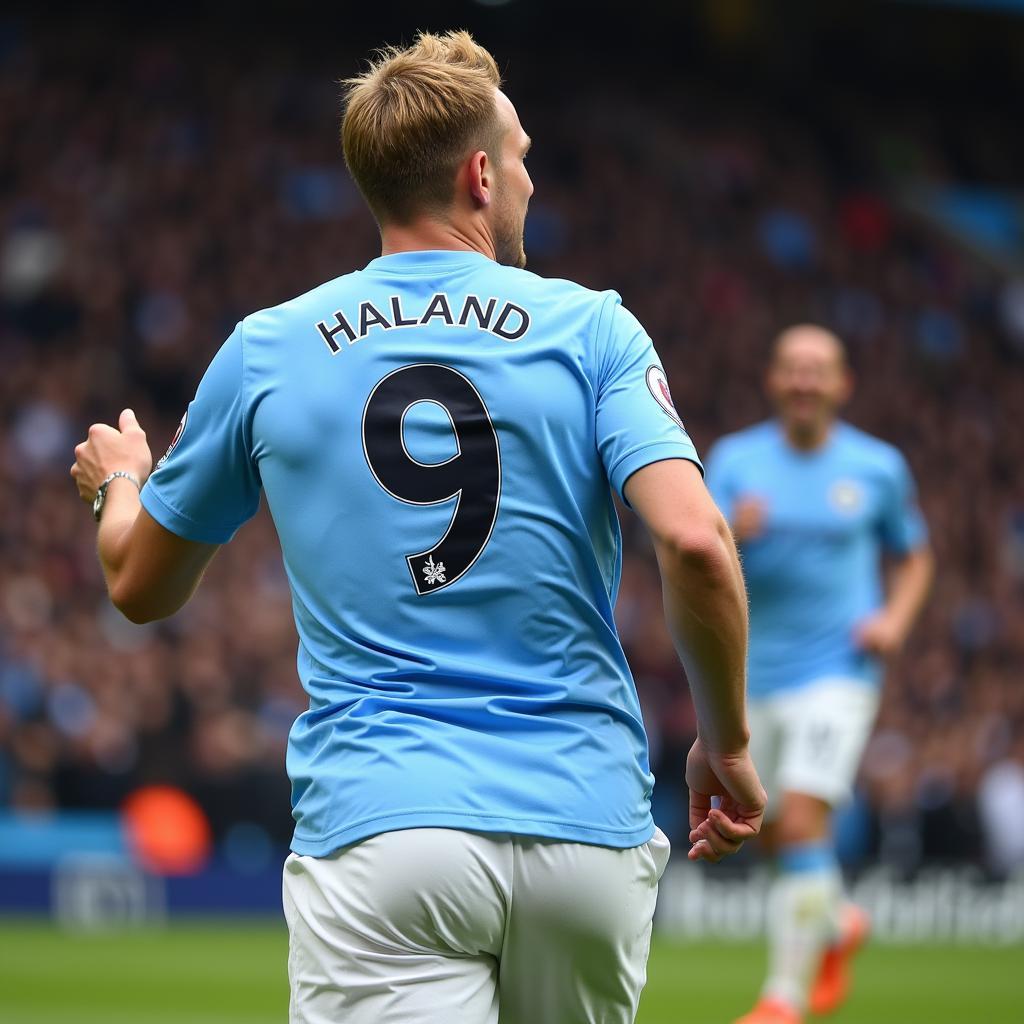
{"type": "Point", "coordinates": [456, 636]}
{"type": "Point", "coordinates": [816, 569]}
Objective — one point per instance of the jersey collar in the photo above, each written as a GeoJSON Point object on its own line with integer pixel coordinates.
{"type": "Point", "coordinates": [426, 260]}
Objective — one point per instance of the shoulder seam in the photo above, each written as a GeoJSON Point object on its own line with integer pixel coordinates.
{"type": "Point", "coordinates": [606, 299]}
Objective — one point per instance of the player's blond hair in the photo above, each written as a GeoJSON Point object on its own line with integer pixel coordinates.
{"type": "Point", "coordinates": [413, 116]}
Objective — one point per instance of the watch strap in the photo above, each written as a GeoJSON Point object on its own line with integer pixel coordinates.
{"type": "Point", "coordinates": [101, 492]}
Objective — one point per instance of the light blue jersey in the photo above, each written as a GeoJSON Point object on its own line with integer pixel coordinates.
{"type": "Point", "coordinates": [436, 436]}
{"type": "Point", "coordinates": [815, 572]}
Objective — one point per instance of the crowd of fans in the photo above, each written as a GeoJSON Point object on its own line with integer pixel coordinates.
{"type": "Point", "coordinates": [148, 203]}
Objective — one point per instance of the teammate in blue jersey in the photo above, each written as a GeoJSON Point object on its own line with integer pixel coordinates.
{"type": "Point", "coordinates": [439, 436]}
{"type": "Point", "coordinates": [815, 504]}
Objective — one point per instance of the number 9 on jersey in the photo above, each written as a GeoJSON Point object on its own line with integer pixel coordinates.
{"type": "Point", "coordinates": [472, 476]}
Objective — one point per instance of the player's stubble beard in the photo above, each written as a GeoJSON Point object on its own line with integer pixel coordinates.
{"type": "Point", "coordinates": [508, 231]}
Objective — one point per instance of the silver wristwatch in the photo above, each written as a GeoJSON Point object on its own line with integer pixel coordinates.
{"type": "Point", "coordinates": [101, 492]}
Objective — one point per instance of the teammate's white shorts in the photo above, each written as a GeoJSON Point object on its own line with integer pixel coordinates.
{"type": "Point", "coordinates": [439, 926]}
{"type": "Point", "coordinates": [810, 739]}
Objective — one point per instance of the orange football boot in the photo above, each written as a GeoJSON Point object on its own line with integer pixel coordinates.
{"type": "Point", "coordinates": [771, 1011]}
{"type": "Point", "coordinates": [832, 985]}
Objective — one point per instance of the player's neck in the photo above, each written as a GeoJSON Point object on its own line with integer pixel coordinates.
{"type": "Point", "coordinates": [426, 234]}
{"type": "Point", "coordinates": [807, 438]}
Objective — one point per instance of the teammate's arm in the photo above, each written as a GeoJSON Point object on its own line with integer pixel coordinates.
{"type": "Point", "coordinates": [150, 572]}
{"type": "Point", "coordinates": [705, 605]}
{"type": "Point", "coordinates": [745, 511]}
{"type": "Point", "coordinates": [904, 534]}
{"type": "Point", "coordinates": [910, 579]}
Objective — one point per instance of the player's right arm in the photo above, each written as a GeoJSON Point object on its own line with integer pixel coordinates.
{"type": "Point", "coordinates": [150, 572]}
{"type": "Point", "coordinates": [155, 547]}
{"type": "Point", "coordinates": [706, 609]}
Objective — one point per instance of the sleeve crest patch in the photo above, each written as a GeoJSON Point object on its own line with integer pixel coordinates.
{"type": "Point", "coordinates": [657, 382]}
{"type": "Point", "coordinates": [174, 441]}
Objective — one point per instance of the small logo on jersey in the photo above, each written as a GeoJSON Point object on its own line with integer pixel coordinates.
{"type": "Point", "coordinates": [846, 496]}
{"type": "Point", "coordinates": [658, 384]}
{"type": "Point", "coordinates": [174, 441]}
{"type": "Point", "coordinates": [434, 572]}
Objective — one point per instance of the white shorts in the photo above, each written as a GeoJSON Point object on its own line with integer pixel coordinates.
{"type": "Point", "coordinates": [439, 926]}
{"type": "Point", "coordinates": [810, 739]}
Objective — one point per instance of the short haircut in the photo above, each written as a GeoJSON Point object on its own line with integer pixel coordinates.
{"type": "Point", "coordinates": [411, 119]}
{"type": "Point", "coordinates": [823, 334]}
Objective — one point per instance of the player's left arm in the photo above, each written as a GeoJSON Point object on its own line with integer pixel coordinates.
{"type": "Point", "coordinates": [905, 536]}
{"type": "Point", "coordinates": [910, 579]}
{"type": "Point", "coordinates": [150, 572]}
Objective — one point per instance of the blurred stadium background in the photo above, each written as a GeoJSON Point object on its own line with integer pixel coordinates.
{"type": "Point", "coordinates": [729, 167]}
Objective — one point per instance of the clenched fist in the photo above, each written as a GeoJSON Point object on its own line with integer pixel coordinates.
{"type": "Point", "coordinates": [108, 449]}
{"type": "Point", "coordinates": [748, 518]}
{"type": "Point", "coordinates": [716, 831]}
{"type": "Point", "coordinates": [881, 634]}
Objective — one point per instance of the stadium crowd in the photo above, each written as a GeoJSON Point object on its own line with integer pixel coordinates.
{"type": "Point", "coordinates": [147, 204]}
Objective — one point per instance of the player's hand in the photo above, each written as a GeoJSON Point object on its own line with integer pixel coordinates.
{"type": "Point", "coordinates": [880, 634]}
{"type": "Point", "coordinates": [748, 516]}
{"type": "Point", "coordinates": [715, 832]}
{"type": "Point", "coordinates": [107, 449]}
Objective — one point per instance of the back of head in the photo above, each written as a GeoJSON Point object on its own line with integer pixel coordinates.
{"type": "Point", "coordinates": [412, 118]}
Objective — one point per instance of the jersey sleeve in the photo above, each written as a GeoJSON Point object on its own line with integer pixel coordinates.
{"type": "Point", "coordinates": [637, 423]}
{"type": "Point", "coordinates": [207, 484]}
{"type": "Point", "coordinates": [902, 525]}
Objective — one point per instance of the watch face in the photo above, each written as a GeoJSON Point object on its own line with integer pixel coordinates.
{"type": "Point", "coordinates": [97, 502]}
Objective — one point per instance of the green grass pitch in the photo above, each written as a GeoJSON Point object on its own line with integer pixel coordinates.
{"type": "Point", "coordinates": [230, 973]}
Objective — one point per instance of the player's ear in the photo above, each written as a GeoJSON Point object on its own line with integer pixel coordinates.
{"type": "Point", "coordinates": [481, 178]}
